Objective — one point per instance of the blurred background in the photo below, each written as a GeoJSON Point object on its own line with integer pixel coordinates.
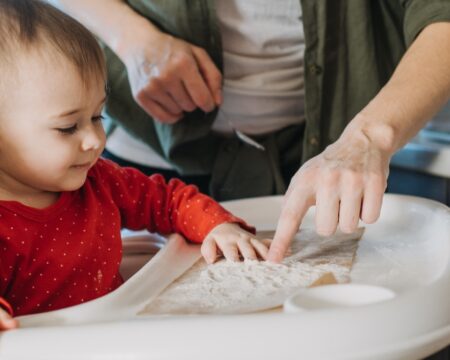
{"type": "Point", "coordinates": [422, 167]}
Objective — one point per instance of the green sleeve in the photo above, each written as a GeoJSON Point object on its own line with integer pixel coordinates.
{"type": "Point", "coordinates": [421, 13]}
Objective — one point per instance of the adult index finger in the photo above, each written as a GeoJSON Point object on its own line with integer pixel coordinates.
{"type": "Point", "coordinates": [291, 217]}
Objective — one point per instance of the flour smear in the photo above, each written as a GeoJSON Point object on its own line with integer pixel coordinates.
{"type": "Point", "coordinates": [242, 287]}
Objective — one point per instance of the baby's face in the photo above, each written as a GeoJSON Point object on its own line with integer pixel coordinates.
{"type": "Point", "coordinates": [50, 125]}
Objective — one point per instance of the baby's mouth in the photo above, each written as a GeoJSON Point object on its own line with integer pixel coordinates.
{"type": "Point", "coordinates": [82, 166]}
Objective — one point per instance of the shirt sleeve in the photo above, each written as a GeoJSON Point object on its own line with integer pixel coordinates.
{"type": "Point", "coordinates": [421, 13]}
{"type": "Point", "coordinates": [165, 207]}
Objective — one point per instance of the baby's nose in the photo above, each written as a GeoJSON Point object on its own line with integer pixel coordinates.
{"type": "Point", "coordinates": [91, 141]}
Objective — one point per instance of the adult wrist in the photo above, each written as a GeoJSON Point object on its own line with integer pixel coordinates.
{"type": "Point", "coordinates": [134, 33]}
{"type": "Point", "coordinates": [377, 133]}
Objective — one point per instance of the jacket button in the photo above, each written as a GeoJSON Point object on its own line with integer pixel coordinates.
{"type": "Point", "coordinates": [315, 69]}
{"type": "Point", "coordinates": [313, 141]}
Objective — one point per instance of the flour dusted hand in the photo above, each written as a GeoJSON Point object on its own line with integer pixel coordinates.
{"type": "Point", "coordinates": [234, 243]}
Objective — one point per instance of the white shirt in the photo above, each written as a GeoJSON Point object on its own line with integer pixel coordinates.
{"type": "Point", "coordinates": [263, 48]}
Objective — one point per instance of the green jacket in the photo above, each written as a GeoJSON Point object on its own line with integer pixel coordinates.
{"type": "Point", "coordinates": [352, 48]}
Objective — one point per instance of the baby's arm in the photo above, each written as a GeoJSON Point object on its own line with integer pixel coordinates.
{"type": "Point", "coordinates": [231, 240]}
{"type": "Point", "coordinates": [201, 219]}
{"type": "Point", "coordinates": [165, 207]}
{"type": "Point", "coordinates": [174, 207]}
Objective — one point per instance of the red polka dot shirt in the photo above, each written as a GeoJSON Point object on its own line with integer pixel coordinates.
{"type": "Point", "coordinates": [70, 252]}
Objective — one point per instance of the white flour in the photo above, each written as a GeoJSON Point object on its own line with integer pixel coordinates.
{"type": "Point", "coordinates": [237, 287]}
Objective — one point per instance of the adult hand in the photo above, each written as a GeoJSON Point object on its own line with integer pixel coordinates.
{"type": "Point", "coordinates": [346, 182]}
{"type": "Point", "coordinates": [169, 76]}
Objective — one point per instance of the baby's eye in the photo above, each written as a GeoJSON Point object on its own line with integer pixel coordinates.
{"type": "Point", "coordinates": [98, 118]}
{"type": "Point", "coordinates": [68, 130]}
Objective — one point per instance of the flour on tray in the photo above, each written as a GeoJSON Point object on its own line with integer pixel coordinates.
{"type": "Point", "coordinates": [248, 286]}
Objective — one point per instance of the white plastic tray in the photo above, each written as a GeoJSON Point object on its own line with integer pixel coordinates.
{"type": "Point", "coordinates": [406, 251]}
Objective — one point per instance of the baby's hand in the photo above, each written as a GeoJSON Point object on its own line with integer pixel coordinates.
{"type": "Point", "coordinates": [6, 321]}
{"type": "Point", "coordinates": [231, 240]}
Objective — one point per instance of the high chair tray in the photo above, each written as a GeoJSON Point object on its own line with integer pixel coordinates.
{"type": "Point", "coordinates": [406, 253]}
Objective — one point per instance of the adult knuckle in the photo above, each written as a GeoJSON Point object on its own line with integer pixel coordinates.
{"type": "Point", "coordinates": [353, 181]}
{"type": "Point", "coordinates": [300, 186]}
{"type": "Point", "coordinates": [352, 175]}
{"type": "Point", "coordinates": [181, 61]}
{"type": "Point", "coordinates": [152, 87]}
{"type": "Point", "coordinates": [164, 77]}
{"type": "Point", "coordinates": [330, 178]}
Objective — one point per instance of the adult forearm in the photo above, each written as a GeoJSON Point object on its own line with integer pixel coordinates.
{"type": "Point", "coordinates": [113, 21]}
{"type": "Point", "coordinates": [418, 88]}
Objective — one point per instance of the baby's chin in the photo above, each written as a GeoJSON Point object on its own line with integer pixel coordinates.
{"type": "Point", "coordinates": [72, 178]}
{"type": "Point", "coordinates": [72, 184]}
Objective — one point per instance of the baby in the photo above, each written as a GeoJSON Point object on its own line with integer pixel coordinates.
{"type": "Point", "coordinates": [61, 206]}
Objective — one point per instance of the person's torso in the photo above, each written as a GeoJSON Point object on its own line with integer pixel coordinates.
{"type": "Point", "coordinates": [351, 50]}
{"type": "Point", "coordinates": [263, 47]}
